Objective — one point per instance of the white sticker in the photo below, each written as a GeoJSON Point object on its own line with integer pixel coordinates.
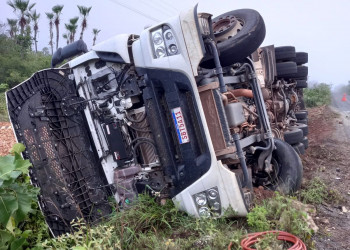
{"type": "Point", "coordinates": [180, 125]}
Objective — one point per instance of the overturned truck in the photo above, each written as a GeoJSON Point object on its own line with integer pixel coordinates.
{"type": "Point", "coordinates": [190, 110]}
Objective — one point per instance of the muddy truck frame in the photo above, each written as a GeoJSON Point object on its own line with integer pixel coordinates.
{"type": "Point", "coordinates": [190, 110]}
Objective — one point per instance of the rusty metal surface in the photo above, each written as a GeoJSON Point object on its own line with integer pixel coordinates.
{"type": "Point", "coordinates": [213, 120]}
{"type": "Point", "coordinates": [143, 130]}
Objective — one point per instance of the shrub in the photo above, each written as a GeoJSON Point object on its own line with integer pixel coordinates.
{"type": "Point", "coordinates": [318, 95]}
{"type": "Point", "coordinates": [18, 198]}
{"type": "Point", "coordinates": [278, 213]}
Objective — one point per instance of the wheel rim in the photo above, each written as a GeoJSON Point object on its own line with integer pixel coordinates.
{"type": "Point", "coordinates": [226, 27]}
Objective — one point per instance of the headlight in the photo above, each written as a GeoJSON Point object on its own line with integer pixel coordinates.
{"type": "Point", "coordinates": [201, 199]}
{"type": "Point", "coordinates": [173, 49]}
{"type": "Point", "coordinates": [157, 38]}
{"type": "Point", "coordinates": [204, 212]}
{"type": "Point", "coordinates": [212, 193]}
{"type": "Point", "coordinates": [168, 35]}
{"type": "Point", "coordinates": [208, 202]}
{"type": "Point", "coordinates": [216, 206]}
{"type": "Point", "coordinates": [160, 52]}
{"type": "Point", "coordinates": [164, 42]}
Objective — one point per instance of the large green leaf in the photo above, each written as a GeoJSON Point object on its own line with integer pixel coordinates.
{"type": "Point", "coordinates": [6, 167]}
{"type": "Point", "coordinates": [25, 195]}
{"type": "Point", "coordinates": [5, 238]}
{"type": "Point", "coordinates": [20, 164]}
{"type": "Point", "coordinates": [12, 166]}
{"type": "Point", "coordinates": [8, 205]}
{"type": "Point", "coordinates": [18, 148]}
{"type": "Point", "coordinates": [17, 244]}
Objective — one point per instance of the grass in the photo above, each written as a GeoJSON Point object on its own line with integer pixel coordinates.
{"type": "Point", "coordinates": [279, 213]}
{"type": "Point", "coordinates": [317, 192]}
{"type": "Point", "coordinates": [148, 225]}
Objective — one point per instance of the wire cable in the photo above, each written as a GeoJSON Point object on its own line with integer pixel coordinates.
{"type": "Point", "coordinates": [135, 10]}
{"type": "Point", "coordinates": [252, 238]}
{"type": "Point", "coordinates": [157, 6]}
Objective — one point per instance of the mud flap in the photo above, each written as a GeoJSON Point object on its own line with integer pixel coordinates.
{"type": "Point", "coordinates": [58, 145]}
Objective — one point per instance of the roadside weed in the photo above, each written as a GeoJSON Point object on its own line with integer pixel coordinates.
{"type": "Point", "coordinates": [315, 192]}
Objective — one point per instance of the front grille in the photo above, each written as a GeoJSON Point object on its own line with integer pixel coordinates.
{"type": "Point", "coordinates": [183, 163]}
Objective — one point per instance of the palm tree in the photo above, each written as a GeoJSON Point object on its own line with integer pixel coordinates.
{"type": "Point", "coordinates": [35, 17]}
{"type": "Point", "coordinates": [50, 17]}
{"type": "Point", "coordinates": [13, 27]}
{"type": "Point", "coordinates": [84, 12]}
{"type": "Point", "coordinates": [95, 32]}
{"type": "Point", "coordinates": [73, 28]}
{"type": "Point", "coordinates": [70, 29]}
{"type": "Point", "coordinates": [23, 7]}
{"type": "Point", "coordinates": [65, 36]}
{"type": "Point", "coordinates": [57, 9]}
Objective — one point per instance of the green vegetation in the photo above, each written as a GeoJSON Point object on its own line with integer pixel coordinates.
{"type": "Point", "coordinates": [269, 242]}
{"type": "Point", "coordinates": [17, 64]}
{"type": "Point", "coordinates": [315, 192]}
{"type": "Point", "coordinates": [18, 203]}
{"type": "Point", "coordinates": [318, 95]}
{"type": "Point", "coordinates": [148, 225]}
{"type": "Point", "coordinates": [279, 213]}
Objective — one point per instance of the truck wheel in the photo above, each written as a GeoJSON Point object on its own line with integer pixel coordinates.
{"type": "Point", "coordinates": [300, 115]}
{"type": "Point", "coordinates": [293, 135]}
{"type": "Point", "coordinates": [302, 127]}
{"type": "Point", "coordinates": [300, 74]}
{"type": "Point", "coordinates": [286, 68]}
{"type": "Point", "coordinates": [304, 121]}
{"type": "Point", "coordinates": [288, 168]}
{"type": "Point", "coordinates": [235, 44]}
{"type": "Point", "coordinates": [285, 53]}
{"type": "Point", "coordinates": [301, 58]}
{"type": "Point", "coordinates": [305, 141]}
{"type": "Point", "coordinates": [299, 148]}
{"type": "Point", "coordinates": [301, 84]}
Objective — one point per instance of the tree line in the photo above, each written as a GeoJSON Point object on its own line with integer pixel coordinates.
{"type": "Point", "coordinates": [24, 29]}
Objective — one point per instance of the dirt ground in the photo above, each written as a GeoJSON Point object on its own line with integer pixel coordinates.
{"type": "Point", "coordinates": [7, 138]}
{"type": "Point", "coordinates": [327, 158]}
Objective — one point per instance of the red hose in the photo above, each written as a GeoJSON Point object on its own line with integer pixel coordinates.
{"type": "Point", "coordinates": [253, 238]}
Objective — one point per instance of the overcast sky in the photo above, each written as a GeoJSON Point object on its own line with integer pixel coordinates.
{"type": "Point", "coordinates": [319, 27]}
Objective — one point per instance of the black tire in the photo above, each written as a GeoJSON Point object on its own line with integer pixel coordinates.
{"type": "Point", "coordinates": [301, 115]}
{"type": "Point", "coordinates": [303, 121]}
{"type": "Point", "coordinates": [285, 53]}
{"type": "Point", "coordinates": [301, 84]}
{"type": "Point", "coordinates": [303, 127]}
{"type": "Point", "coordinates": [305, 141]}
{"type": "Point", "coordinates": [245, 42]}
{"type": "Point", "coordinates": [293, 135]}
{"type": "Point", "coordinates": [299, 148]}
{"type": "Point", "coordinates": [289, 168]}
{"type": "Point", "coordinates": [286, 69]}
{"type": "Point", "coordinates": [301, 74]}
{"type": "Point", "coordinates": [301, 58]}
